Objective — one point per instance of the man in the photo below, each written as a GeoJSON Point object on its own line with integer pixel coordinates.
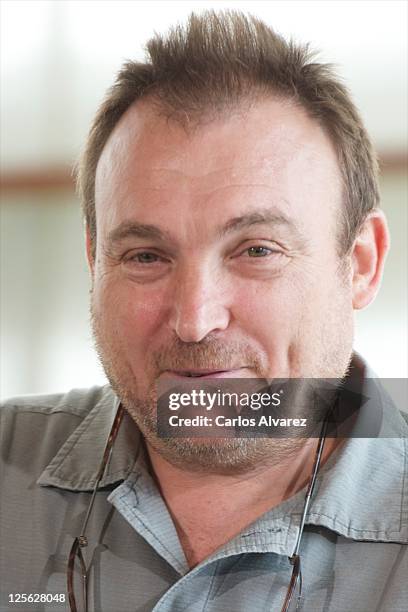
{"type": "Point", "coordinates": [232, 228]}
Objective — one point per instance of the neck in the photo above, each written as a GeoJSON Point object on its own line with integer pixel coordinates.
{"type": "Point", "coordinates": [209, 509]}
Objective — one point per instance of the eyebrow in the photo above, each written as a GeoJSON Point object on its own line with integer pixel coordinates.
{"type": "Point", "coordinates": [267, 216]}
{"type": "Point", "coordinates": [132, 229]}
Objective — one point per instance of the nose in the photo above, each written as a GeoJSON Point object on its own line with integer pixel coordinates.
{"type": "Point", "coordinates": [200, 304]}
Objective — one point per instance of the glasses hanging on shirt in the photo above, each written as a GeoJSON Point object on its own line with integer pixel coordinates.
{"type": "Point", "coordinates": [294, 593]}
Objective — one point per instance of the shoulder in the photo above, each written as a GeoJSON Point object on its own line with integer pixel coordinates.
{"type": "Point", "coordinates": [76, 402]}
{"type": "Point", "coordinates": [44, 422]}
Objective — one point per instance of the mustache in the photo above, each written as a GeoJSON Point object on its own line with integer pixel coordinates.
{"type": "Point", "coordinates": [210, 353]}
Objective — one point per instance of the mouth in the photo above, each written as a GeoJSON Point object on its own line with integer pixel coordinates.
{"type": "Point", "coordinates": [203, 373]}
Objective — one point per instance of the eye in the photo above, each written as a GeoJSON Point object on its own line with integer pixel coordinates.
{"type": "Point", "coordinates": [257, 256]}
{"type": "Point", "coordinates": [259, 251]}
{"type": "Point", "coordinates": [145, 257]}
{"type": "Point", "coordinates": [145, 266]}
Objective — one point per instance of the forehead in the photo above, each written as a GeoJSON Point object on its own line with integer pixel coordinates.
{"type": "Point", "coordinates": [270, 154]}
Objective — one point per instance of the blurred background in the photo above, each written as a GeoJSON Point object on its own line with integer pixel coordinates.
{"type": "Point", "coordinates": [57, 59]}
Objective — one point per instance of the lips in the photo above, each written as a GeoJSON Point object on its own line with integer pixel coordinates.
{"type": "Point", "coordinates": [204, 373]}
{"type": "Point", "coordinates": [197, 373]}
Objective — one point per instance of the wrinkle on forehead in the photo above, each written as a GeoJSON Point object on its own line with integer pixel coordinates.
{"type": "Point", "coordinates": [280, 125]}
{"type": "Point", "coordinates": [274, 147]}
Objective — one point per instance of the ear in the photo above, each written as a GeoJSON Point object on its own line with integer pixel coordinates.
{"type": "Point", "coordinates": [368, 257]}
{"type": "Point", "coordinates": [89, 255]}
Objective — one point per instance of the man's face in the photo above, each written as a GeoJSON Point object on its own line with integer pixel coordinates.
{"type": "Point", "coordinates": [216, 253]}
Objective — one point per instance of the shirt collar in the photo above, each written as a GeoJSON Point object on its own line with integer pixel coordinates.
{"type": "Point", "coordinates": [76, 464]}
{"type": "Point", "coordinates": [361, 491]}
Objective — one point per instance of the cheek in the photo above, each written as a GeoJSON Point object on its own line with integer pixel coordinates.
{"type": "Point", "coordinates": [131, 314]}
{"type": "Point", "coordinates": [287, 311]}
{"type": "Point", "coordinates": [270, 312]}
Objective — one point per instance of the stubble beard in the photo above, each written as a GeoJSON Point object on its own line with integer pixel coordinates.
{"type": "Point", "coordinates": [212, 455]}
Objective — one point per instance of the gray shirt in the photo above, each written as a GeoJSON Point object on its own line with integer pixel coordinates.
{"type": "Point", "coordinates": [354, 550]}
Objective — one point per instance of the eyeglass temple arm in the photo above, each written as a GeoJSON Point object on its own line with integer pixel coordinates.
{"type": "Point", "coordinates": [309, 492]}
{"type": "Point", "coordinates": [82, 540]}
{"type": "Point", "coordinates": [76, 550]}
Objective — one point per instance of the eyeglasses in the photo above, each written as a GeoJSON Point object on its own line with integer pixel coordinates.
{"type": "Point", "coordinates": [294, 592]}
{"type": "Point", "coordinates": [296, 578]}
{"type": "Point", "coordinates": [82, 541]}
